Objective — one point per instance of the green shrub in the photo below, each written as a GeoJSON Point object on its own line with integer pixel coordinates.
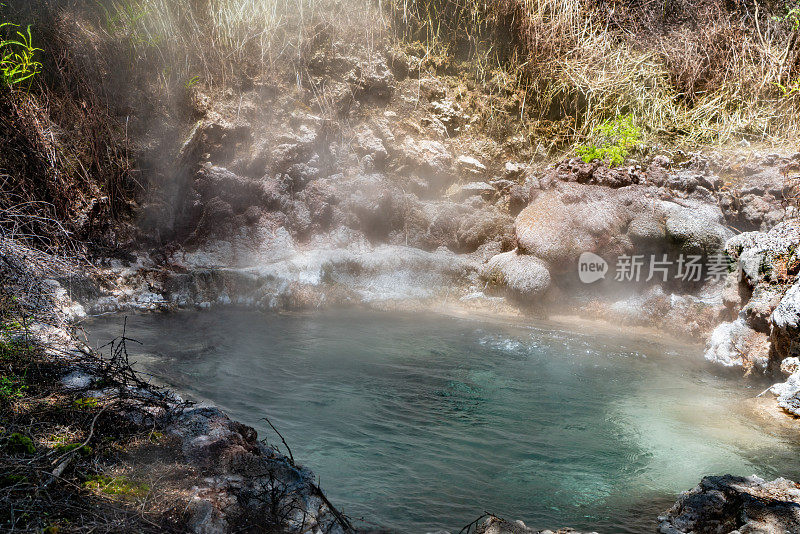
{"type": "Point", "coordinates": [13, 350]}
{"type": "Point", "coordinates": [19, 444]}
{"type": "Point", "coordinates": [18, 56]}
{"type": "Point", "coordinates": [12, 387]}
{"type": "Point", "coordinates": [615, 139]}
{"type": "Point", "coordinates": [791, 16]}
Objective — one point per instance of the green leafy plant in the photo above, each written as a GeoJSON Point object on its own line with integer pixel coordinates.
{"type": "Point", "coordinates": [12, 387]}
{"type": "Point", "coordinates": [615, 139]}
{"type": "Point", "coordinates": [790, 89]}
{"type": "Point", "coordinates": [18, 56]}
{"type": "Point", "coordinates": [86, 402]}
{"type": "Point", "coordinates": [14, 350]}
{"type": "Point", "coordinates": [123, 16]}
{"type": "Point", "coordinates": [121, 486]}
{"type": "Point", "coordinates": [792, 16]}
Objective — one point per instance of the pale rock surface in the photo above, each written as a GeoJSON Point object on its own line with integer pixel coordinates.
{"type": "Point", "coordinates": [526, 276]}
{"type": "Point", "coordinates": [735, 344]}
{"type": "Point", "coordinates": [471, 165]}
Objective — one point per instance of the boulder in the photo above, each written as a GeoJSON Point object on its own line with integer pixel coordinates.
{"type": "Point", "coordinates": [214, 137]}
{"type": "Point", "coordinates": [429, 156]}
{"type": "Point", "coordinates": [471, 189]}
{"type": "Point", "coordinates": [292, 149]}
{"type": "Point", "coordinates": [736, 344]}
{"type": "Point", "coordinates": [732, 294]}
{"type": "Point", "coordinates": [449, 115]}
{"type": "Point", "coordinates": [519, 197]}
{"type": "Point", "coordinates": [728, 504]}
{"type": "Point", "coordinates": [788, 392]}
{"type": "Point", "coordinates": [764, 299]}
{"type": "Point", "coordinates": [525, 276]}
{"type": "Point", "coordinates": [559, 225]}
{"type": "Point", "coordinates": [695, 228]}
{"type": "Point", "coordinates": [790, 366]}
{"type": "Point", "coordinates": [512, 170]}
{"type": "Point", "coordinates": [483, 226]}
{"type": "Point", "coordinates": [767, 256]}
{"type": "Point", "coordinates": [461, 227]}
{"type": "Point", "coordinates": [368, 144]}
{"type": "Point", "coordinates": [569, 219]}
{"type": "Point", "coordinates": [645, 230]}
{"type": "Point", "coordinates": [372, 79]}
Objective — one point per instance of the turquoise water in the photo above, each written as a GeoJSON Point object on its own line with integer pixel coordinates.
{"type": "Point", "coordinates": [421, 422]}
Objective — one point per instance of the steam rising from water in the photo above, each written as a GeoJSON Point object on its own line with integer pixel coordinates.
{"type": "Point", "coordinates": [421, 422]}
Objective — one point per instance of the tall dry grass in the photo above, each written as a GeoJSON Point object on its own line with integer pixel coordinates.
{"type": "Point", "coordinates": [699, 72]}
{"type": "Point", "coordinates": [221, 42]}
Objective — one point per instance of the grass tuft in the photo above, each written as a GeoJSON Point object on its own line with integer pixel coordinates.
{"type": "Point", "coordinates": [18, 56]}
{"type": "Point", "coordinates": [119, 486]}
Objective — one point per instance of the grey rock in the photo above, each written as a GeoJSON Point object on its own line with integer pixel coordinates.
{"type": "Point", "coordinates": [519, 197]}
{"type": "Point", "coordinates": [450, 114]}
{"type": "Point", "coordinates": [526, 276]}
{"type": "Point", "coordinates": [513, 170]}
{"type": "Point", "coordinates": [496, 525]}
{"type": "Point", "coordinates": [472, 189]}
{"type": "Point", "coordinates": [785, 335]}
{"type": "Point", "coordinates": [372, 79]}
{"type": "Point", "coordinates": [368, 143]}
{"type": "Point", "coordinates": [736, 344]}
{"type": "Point", "coordinates": [78, 380]}
{"type": "Point", "coordinates": [430, 156]}
{"type": "Point", "coordinates": [735, 504]}
{"type": "Point", "coordinates": [471, 165]}
{"type": "Point", "coordinates": [559, 225]}
{"type": "Point", "coordinates": [695, 234]}
{"type": "Point", "coordinates": [764, 299]}
{"type": "Point", "coordinates": [644, 229]}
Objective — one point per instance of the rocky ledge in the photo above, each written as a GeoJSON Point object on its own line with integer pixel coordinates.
{"type": "Point", "coordinates": [735, 505]}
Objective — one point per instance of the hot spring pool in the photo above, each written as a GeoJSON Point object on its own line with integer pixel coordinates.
{"type": "Point", "coordinates": [420, 422]}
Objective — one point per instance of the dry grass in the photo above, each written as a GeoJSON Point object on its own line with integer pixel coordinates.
{"type": "Point", "coordinates": [230, 43]}
{"type": "Point", "coordinates": [700, 73]}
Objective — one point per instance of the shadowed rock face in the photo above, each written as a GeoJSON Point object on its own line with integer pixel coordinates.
{"type": "Point", "coordinates": [729, 504]}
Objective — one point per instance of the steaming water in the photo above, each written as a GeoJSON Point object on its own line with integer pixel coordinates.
{"type": "Point", "coordinates": [421, 422]}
